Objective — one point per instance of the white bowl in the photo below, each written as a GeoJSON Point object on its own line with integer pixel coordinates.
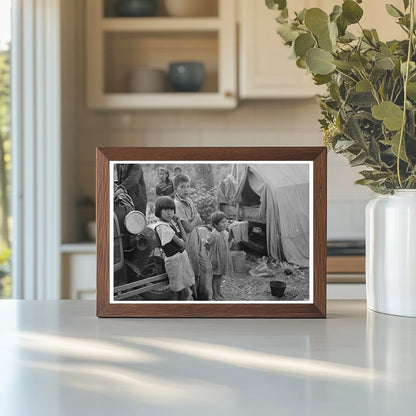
{"type": "Point", "coordinates": [147, 80]}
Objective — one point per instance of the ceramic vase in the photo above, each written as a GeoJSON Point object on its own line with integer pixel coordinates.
{"type": "Point", "coordinates": [391, 253]}
{"type": "Point", "coordinates": [135, 8]}
{"type": "Point", "coordinates": [186, 76]}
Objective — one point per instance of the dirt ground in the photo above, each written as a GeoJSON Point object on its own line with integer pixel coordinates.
{"type": "Point", "coordinates": [246, 287]}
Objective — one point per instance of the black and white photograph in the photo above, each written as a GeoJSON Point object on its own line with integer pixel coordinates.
{"type": "Point", "coordinates": [211, 231]}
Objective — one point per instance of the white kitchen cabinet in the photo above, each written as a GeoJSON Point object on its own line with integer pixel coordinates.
{"type": "Point", "coordinates": [117, 45]}
{"type": "Point", "coordinates": [265, 70]}
{"type": "Point", "coordinates": [78, 263]}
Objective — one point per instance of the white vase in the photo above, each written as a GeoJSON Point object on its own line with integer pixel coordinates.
{"type": "Point", "coordinates": [391, 253]}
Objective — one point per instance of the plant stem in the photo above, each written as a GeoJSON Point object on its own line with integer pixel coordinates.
{"type": "Point", "coordinates": [405, 81]}
{"type": "Point", "coordinates": [346, 75]}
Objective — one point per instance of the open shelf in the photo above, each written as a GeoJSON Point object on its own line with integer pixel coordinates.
{"type": "Point", "coordinates": [160, 24]}
{"type": "Point", "coordinates": [127, 51]}
{"type": "Point", "coordinates": [116, 46]}
{"type": "Point", "coordinates": [209, 9]}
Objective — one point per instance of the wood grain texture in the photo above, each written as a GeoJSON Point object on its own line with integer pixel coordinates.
{"type": "Point", "coordinates": [317, 309]}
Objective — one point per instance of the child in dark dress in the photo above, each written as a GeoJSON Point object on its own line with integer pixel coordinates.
{"type": "Point", "coordinates": [219, 252]}
{"type": "Point", "coordinates": [172, 238]}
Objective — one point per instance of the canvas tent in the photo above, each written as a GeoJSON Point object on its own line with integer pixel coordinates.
{"type": "Point", "coordinates": [282, 191]}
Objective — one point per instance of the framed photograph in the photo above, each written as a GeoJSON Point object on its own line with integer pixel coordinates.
{"type": "Point", "coordinates": [211, 232]}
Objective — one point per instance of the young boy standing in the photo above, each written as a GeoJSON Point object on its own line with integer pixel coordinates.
{"type": "Point", "coordinates": [190, 219]}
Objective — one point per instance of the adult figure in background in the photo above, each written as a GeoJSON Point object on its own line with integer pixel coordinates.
{"type": "Point", "coordinates": [130, 176]}
{"type": "Point", "coordinates": [165, 185]}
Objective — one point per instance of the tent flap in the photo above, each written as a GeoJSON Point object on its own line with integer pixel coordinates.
{"type": "Point", "coordinates": [284, 202]}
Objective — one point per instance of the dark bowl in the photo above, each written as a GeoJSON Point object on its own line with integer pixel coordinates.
{"type": "Point", "coordinates": [135, 8]}
{"type": "Point", "coordinates": [278, 288]}
{"type": "Point", "coordinates": [186, 76]}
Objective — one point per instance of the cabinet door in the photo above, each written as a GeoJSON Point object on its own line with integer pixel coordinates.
{"type": "Point", "coordinates": [265, 68]}
{"type": "Point", "coordinates": [78, 276]}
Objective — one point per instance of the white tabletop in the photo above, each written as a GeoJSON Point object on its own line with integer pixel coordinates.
{"type": "Point", "coordinates": [57, 358]}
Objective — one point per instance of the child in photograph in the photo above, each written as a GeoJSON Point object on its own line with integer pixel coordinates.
{"type": "Point", "coordinates": [219, 252]}
{"type": "Point", "coordinates": [172, 238]}
{"type": "Point", "coordinates": [165, 185]}
{"type": "Point", "coordinates": [177, 170]}
{"type": "Point", "coordinates": [190, 219]}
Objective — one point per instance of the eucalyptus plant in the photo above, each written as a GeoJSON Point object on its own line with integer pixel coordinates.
{"type": "Point", "coordinates": [369, 111]}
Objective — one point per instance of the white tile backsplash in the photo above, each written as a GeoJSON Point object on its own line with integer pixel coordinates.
{"type": "Point", "coordinates": [346, 219]}
{"type": "Point", "coordinates": [257, 123]}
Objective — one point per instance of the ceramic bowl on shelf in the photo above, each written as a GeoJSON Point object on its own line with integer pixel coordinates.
{"type": "Point", "coordinates": [135, 8]}
{"type": "Point", "coordinates": [191, 8]}
{"type": "Point", "coordinates": [186, 76]}
{"type": "Point", "coordinates": [147, 80]}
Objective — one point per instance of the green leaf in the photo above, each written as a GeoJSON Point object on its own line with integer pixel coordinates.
{"type": "Point", "coordinates": [394, 143]}
{"type": "Point", "coordinates": [301, 63]}
{"type": "Point", "coordinates": [276, 4]}
{"type": "Point", "coordinates": [351, 11]}
{"type": "Point", "coordinates": [363, 86]}
{"type": "Point", "coordinates": [412, 67]}
{"type": "Point", "coordinates": [301, 15]}
{"type": "Point", "coordinates": [358, 61]}
{"type": "Point", "coordinates": [374, 174]}
{"type": "Point", "coordinates": [333, 32]}
{"type": "Point", "coordinates": [353, 130]}
{"type": "Point", "coordinates": [368, 36]}
{"type": "Point", "coordinates": [393, 11]}
{"type": "Point", "coordinates": [381, 89]}
{"type": "Point", "coordinates": [345, 65]}
{"type": "Point", "coordinates": [411, 90]}
{"type": "Point", "coordinates": [384, 62]}
{"type": "Point", "coordinates": [287, 33]}
{"type": "Point", "coordinates": [336, 12]}
{"type": "Point", "coordinates": [316, 20]}
{"type": "Point", "coordinates": [362, 99]}
{"type": "Point", "coordinates": [303, 43]}
{"type": "Point", "coordinates": [375, 35]}
{"type": "Point", "coordinates": [359, 160]}
{"type": "Point", "coordinates": [365, 182]}
{"type": "Point", "coordinates": [374, 150]}
{"type": "Point", "coordinates": [406, 4]}
{"type": "Point", "coordinates": [343, 145]}
{"type": "Point", "coordinates": [325, 42]}
{"type": "Point", "coordinates": [342, 25]}
{"type": "Point", "coordinates": [321, 79]}
{"type": "Point", "coordinates": [391, 114]}
{"type": "Point", "coordinates": [347, 37]}
{"type": "Point", "coordinates": [319, 61]}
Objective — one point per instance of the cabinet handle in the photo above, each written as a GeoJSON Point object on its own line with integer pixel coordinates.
{"type": "Point", "coordinates": [229, 94]}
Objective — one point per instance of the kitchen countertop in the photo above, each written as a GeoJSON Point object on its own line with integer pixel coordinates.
{"type": "Point", "coordinates": [57, 358]}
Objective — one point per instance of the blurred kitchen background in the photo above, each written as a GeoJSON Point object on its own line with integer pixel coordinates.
{"type": "Point", "coordinates": [252, 95]}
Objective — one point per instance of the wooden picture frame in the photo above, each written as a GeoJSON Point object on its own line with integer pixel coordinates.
{"type": "Point", "coordinates": [110, 301]}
